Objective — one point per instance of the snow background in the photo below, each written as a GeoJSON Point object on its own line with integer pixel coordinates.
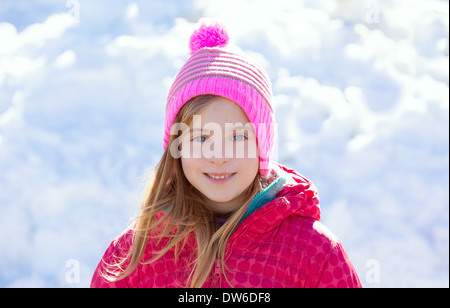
{"type": "Point", "coordinates": [362, 104]}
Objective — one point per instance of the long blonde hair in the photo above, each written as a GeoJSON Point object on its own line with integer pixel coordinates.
{"type": "Point", "coordinates": [185, 212]}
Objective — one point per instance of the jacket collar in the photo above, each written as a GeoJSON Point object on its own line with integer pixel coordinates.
{"type": "Point", "coordinates": [284, 192]}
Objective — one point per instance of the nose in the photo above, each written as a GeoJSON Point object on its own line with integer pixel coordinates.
{"type": "Point", "coordinates": [218, 161]}
{"type": "Point", "coordinates": [217, 154]}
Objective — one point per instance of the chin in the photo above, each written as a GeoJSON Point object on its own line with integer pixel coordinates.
{"type": "Point", "coordinates": [224, 199]}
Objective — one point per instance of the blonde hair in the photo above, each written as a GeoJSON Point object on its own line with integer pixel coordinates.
{"type": "Point", "coordinates": [184, 212]}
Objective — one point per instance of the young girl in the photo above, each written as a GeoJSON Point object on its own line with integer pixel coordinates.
{"type": "Point", "coordinates": [217, 211]}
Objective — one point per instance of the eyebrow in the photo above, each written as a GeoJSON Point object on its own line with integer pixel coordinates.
{"type": "Point", "coordinates": [200, 129]}
{"type": "Point", "coordinates": [193, 129]}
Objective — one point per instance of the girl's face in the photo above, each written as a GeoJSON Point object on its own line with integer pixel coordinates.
{"type": "Point", "coordinates": [220, 154]}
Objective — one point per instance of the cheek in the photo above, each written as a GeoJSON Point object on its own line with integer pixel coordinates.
{"type": "Point", "coordinates": [249, 167]}
{"type": "Point", "coordinates": [243, 150]}
{"type": "Point", "coordinates": [247, 157]}
{"type": "Point", "coordinates": [191, 168]}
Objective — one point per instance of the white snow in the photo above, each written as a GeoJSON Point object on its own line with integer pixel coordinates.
{"type": "Point", "coordinates": [361, 93]}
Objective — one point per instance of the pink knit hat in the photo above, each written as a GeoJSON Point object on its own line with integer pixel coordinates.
{"type": "Point", "coordinates": [218, 69]}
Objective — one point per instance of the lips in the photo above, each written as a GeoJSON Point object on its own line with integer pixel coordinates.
{"type": "Point", "coordinates": [219, 177]}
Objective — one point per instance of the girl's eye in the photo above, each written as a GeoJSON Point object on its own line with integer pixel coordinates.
{"type": "Point", "coordinates": [199, 139]}
{"type": "Point", "coordinates": [239, 138]}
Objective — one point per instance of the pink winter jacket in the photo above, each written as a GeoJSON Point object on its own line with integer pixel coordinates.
{"type": "Point", "coordinates": [280, 243]}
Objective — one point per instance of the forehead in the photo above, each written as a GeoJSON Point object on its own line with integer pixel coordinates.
{"type": "Point", "coordinates": [221, 110]}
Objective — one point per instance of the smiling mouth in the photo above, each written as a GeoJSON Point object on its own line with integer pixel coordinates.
{"type": "Point", "coordinates": [219, 176]}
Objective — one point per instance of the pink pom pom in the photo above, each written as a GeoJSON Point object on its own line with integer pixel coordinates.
{"type": "Point", "coordinates": [210, 34]}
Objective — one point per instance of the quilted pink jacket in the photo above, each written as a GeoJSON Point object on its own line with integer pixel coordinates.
{"type": "Point", "coordinates": [280, 243]}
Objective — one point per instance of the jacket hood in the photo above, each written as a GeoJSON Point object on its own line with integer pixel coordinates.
{"type": "Point", "coordinates": [286, 192]}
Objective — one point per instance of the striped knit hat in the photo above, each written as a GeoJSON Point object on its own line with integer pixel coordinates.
{"type": "Point", "coordinates": [216, 68]}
